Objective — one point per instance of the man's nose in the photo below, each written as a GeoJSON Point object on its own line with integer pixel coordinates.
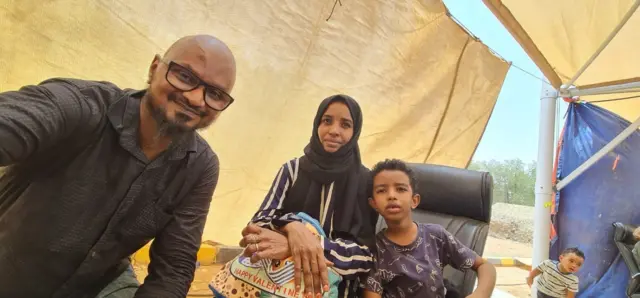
{"type": "Point", "coordinates": [195, 97]}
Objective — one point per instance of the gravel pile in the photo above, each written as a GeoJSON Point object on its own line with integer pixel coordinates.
{"type": "Point", "coordinates": [512, 222]}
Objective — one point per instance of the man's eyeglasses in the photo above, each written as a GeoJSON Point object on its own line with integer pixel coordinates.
{"type": "Point", "coordinates": [185, 80]}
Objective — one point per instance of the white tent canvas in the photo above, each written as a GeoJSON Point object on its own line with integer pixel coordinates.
{"type": "Point", "coordinates": [427, 87]}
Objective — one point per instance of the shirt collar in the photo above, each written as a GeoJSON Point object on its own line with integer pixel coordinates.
{"type": "Point", "coordinates": [124, 115]}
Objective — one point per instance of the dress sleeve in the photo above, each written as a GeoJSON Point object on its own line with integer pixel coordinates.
{"type": "Point", "coordinates": [349, 257]}
{"type": "Point", "coordinates": [270, 215]}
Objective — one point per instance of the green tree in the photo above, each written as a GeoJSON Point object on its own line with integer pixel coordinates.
{"type": "Point", "coordinates": [514, 180]}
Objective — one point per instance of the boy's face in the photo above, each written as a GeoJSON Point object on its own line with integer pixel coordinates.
{"type": "Point", "coordinates": [393, 197]}
{"type": "Point", "coordinates": [571, 262]}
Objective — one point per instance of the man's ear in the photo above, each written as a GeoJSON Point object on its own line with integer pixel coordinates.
{"type": "Point", "coordinates": [415, 201]}
{"type": "Point", "coordinates": [153, 67]}
{"type": "Point", "coordinates": [372, 203]}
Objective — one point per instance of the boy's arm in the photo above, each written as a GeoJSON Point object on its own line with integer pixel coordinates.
{"type": "Point", "coordinates": [371, 294]}
{"type": "Point", "coordinates": [572, 289]}
{"type": "Point", "coordinates": [461, 257]}
{"type": "Point", "coordinates": [372, 285]}
{"type": "Point", "coordinates": [535, 272]}
{"type": "Point", "coordinates": [486, 278]}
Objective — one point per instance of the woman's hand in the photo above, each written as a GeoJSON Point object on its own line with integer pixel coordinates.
{"type": "Point", "coordinates": [261, 243]}
{"type": "Point", "coordinates": [308, 258]}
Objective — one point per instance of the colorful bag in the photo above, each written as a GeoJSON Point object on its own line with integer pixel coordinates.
{"type": "Point", "coordinates": [268, 278]}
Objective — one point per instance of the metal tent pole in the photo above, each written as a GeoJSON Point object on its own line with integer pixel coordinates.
{"type": "Point", "coordinates": [626, 87]}
{"type": "Point", "coordinates": [544, 179]}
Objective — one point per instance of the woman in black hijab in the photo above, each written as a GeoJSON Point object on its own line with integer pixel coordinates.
{"type": "Point", "coordinates": [330, 184]}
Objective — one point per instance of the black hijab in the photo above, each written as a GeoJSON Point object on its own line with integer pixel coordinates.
{"type": "Point", "coordinates": [351, 212]}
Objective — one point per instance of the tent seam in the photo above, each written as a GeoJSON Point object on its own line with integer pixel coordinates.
{"type": "Point", "coordinates": [446, 108]}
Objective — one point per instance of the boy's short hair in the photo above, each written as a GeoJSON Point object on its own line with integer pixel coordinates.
{"type": "Point", "coordinates": [573, 250]}
{"type": "Point", "coordinates": [395, 165]}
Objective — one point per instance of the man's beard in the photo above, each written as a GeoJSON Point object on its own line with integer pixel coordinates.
{"type": "Point", "coordinates": [166, 128]}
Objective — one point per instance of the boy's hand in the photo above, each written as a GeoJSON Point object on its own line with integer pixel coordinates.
{"type": "Point", "coordinates": [475, 295]}
{"type": "Point", "coordinates": [535, 272]}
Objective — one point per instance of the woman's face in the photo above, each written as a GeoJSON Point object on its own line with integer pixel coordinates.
{"type": "Point", "coordinates": [336, 127]}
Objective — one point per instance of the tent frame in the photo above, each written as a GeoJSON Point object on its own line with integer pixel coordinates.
{"type": "Point", "coordinates": [611, 89]}
{"type": "Point", "coordinates": [544, 177]}
{"type": "Point", "coordinates": [599, 155]}
{"type": "Point", "coordinates": [605, 43]}
{"type": "Point", "coordinates": [544, 188]}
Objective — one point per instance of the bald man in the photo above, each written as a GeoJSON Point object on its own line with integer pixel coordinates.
{"type": "Point", "coordinates": [94, 172]}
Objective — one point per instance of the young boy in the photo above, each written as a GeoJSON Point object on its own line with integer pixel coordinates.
{"type": "Point", "coordinates": [557, 279]}
{"type": "Point", "coordinates": [411, 255]}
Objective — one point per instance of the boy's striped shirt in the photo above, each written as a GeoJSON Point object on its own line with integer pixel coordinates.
{"type": "Point", "coordinates": [554, 283]}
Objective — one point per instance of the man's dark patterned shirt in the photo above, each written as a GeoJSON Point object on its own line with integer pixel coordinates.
{"type": "Point", "coordinates": [78, 196]}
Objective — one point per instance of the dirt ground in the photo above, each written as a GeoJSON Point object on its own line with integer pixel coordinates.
{"type": "Point", "coordinates": [506, 248]}
{"type": "Point", "coordinates": [510, 279]}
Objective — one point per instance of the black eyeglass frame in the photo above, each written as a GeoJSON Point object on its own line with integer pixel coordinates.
{"type": "Point", "coordinates": [170, 64]}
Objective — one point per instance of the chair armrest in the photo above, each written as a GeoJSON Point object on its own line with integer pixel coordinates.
{"type": "Point", "coordinates": [633, 288]}
{"type": "Point", "coordinates": [624, 233]}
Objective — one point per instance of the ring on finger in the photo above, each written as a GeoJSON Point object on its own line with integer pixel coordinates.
{"type": "Point", "coordinates": [257, 247]}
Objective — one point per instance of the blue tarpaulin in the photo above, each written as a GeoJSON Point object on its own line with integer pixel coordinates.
{"type": "Point", "coordinates": [607, 192]}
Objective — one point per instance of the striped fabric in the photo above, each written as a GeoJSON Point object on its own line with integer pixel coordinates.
{"type": "Point", "coordinates": [282, 274]}
{"type": "Point", "coordinates": [349, 258]}
{"type": "Point", "coordinates": [554, 283]}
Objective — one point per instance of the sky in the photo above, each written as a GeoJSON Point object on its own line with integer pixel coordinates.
{"type": "Point", "coordinates": [512, 131]}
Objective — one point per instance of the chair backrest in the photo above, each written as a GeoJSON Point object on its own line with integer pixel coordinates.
{"type": "Point", "coordinates": [624, 240]}
{"type": "Point", "coordinates": [460, 201]}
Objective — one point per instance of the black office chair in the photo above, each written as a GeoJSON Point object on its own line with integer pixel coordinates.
{"type": "Point", "coordinates": [624, 240]}
{"type": "Point", "coordinates": [460, 201]}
